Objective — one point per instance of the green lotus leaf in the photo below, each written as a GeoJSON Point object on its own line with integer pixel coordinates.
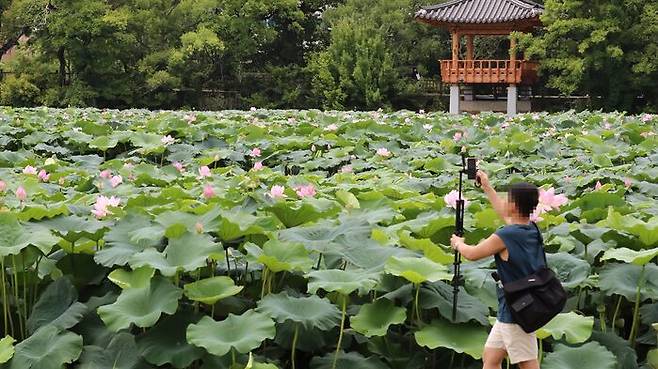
{"type": "Point", "coordinates": [47, 348]}
{"type": "Point", "coordinates": [279, 256]}
{"type": "Point", "coordinates": [14, 237]}
{"type": "Point", "coordinates": [440, 295]}
{"type": "Point", "coordinates": [137, 278]}
{"type": "Point", "coordinates": [242, 333]}
{"type": "Point", "coordinates": [120, 243]}
{"type": "Point", "coordinates": [147, 142]}
{"type": "Point", "coordinates": [571, 270]}
{"type": "Point", "coordinates": [652, 358]}
{"type": "Point", "coordinates": [573, 327]}
{"type": "Point", "coordinates": [294, 213]}
{"type": "Point", "coordinates": [6, 349]}
{"type": "Point", "coordinates": [623, 279]}
{"type": "Point", "coordinates": [38, 212]}
{"type": "Point", "coordinates": [211, 290]}
{"type": "Point", "coordinates": [417, 270]}
{"type": "Point", "coordinates": [57, 306]}
{"type": "Point", "coordinates": [588, 356]}
{"type": "Point", "coordinates": [186, 253]}
{"type": "Point", "coordinates": [647, 232]}
{"type": "Point", "coordinates": [120, 353]}
{"type": "Point", "coordinates": [348, 199]}
{"type": "Point", "coordinates": [621, 348]}
{"type": "Point", "coordinates": [141, 306]}
{"type": "Point", "coordinates": [341, 281]}
{"type": "Point", "coordinates": [310, 312]}
{"type": "Point", "coordinates": [324, 236]}
{"type": "Point", "coordinates": [461, 338]}
{"type": "Point", "coordinates": [73, 227]}
{"type": "Point", "coordinates": [631, 256]}
{"type": "Point", "coordinates": [347, 360]}
{"type": "Point", "coordinates": [427, 224]}
{"type": "Point", "coordinates": [488, 219]}
{"type": "Point", "coordinates": [431, 251]}
{"type": "Point", "coordinates": [103, 143]}
{"type": "Point", "coordinates": [374, 319]}
{"type": "Point", "coordinates": [166, 342]}
{"type": "Point", "coordinates": [236, 223]}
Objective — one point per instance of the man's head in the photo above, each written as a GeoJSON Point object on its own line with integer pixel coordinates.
{"type": "Point", "coordinates": [522, 199]}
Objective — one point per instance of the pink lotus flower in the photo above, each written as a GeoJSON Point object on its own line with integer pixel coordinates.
{"type": "Point", "coordinates": [607, 126]}
{"type": "Point", "coordinates": [428, 127]}
{"type": "Point", "coordinates": [598, 186]}
{"type": "Point", "coordinates": [101, 210]}
{"type": "Point", "coordinates": [21, 194]}
{"type": "Point", "coordinates": [305, 191]}
{"type": "Point", "coordinates": [331, 128]}
{"type": "Point", "coordinates": [128, 165]}
{"type": "Point", "coordinates": [534, 217]}
{"type": "Point", "coordinates": [548, 200]}
{"type": "Point", "coordinates": [204, 171]}
{"type": "Point", "coordinates": [43, 176]}
{"type": "Point", "coordinates": [536, 117]}
{"type": "Point", "coordinates": [292, 121]}
{"type": "Point", "coordinates": [115, 181]}
{"type": "Point", "coordinates": [451, 199]}
{"type": "Point", "coordinates": [347, 169]}
{"type": "Point", "coordinates": [253, 108]}
{"type": "Point", "coordinates": [30, 170]}
{"type": "Point", "coordinates": [179, 167]}
{"type": "Point", "coordinates": [383, 152]}
{"type": "Point", "coordinates": [208, 192]}
{"type": "Point", "coordinates": [190, 118]}
{"type": "Point", "coordinates": [421, 111]}
{"type": "Point", "coordinates": [647, 134]}
{"type": "Point", "coordinates": [258, 166]}
{"type": "Point", "coordinates": [277, 192]}
{"type": "Point", "coordinates": [458, 136]}
{"type": "Point", "coordinates": [647, 118]}
{"type": "Point", "coordinates": [167, 140]}
{"type": "Point", "coordinates": [107, 174]}
{"type": "Point", "coordinates": [3, 186]}
{"type": "Point", "coordinates": [255, 152]}
{"type": "Point", "coordinates": [627, 182]}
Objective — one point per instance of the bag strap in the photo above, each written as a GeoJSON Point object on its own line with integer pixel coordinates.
{"type": "Point", "coordinates": [541, 242]}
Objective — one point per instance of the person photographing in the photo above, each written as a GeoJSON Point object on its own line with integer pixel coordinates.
{"type": "Point", "coordinates": [518, 251]}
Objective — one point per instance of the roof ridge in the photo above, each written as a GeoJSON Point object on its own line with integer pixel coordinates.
{"type": "Point", "coordinates": [527, 4]}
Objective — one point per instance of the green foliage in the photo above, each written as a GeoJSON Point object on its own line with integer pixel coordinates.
{"type": "Point", "coordinates": [351, 273]}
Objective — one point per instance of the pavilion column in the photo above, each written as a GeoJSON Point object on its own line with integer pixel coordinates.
{"type": "Point", "coordinates": [454, 88]}
{"type": "Point", "coordinates": [469, 48]}
{"type": "Point", "coordinates": [512, 90]}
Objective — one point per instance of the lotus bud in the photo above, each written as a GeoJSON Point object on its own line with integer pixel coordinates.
{"type": "Point", "coordinates": [51, 161]}
{"type": "Point", "coordinates": [199, 228]}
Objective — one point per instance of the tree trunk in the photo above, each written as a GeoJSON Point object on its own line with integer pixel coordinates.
{"type": "Point", "coordinates": [62, 66]}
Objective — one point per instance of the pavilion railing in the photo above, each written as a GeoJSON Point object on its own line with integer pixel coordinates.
{"type": "Point", "coordinates": [488, 71]}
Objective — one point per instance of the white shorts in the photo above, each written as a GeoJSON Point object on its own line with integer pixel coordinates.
{"type": "Point", "coordinates": [520, 346]}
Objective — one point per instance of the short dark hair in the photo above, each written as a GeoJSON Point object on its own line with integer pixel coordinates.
{"type": "Point", "coordinates": [525, 196]}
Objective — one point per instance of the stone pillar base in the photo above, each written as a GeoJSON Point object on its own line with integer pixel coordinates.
{"type": "Point", "coordinates": [512, 100]}
{"type": "Point", "coordinates": [454, 99]}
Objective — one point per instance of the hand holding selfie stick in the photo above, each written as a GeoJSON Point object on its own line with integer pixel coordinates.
{"type": "Point", "coordinates": [469, 167]}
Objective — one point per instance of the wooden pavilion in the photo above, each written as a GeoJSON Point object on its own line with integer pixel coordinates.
{"type": "Point", "coordinates": [472, 18]}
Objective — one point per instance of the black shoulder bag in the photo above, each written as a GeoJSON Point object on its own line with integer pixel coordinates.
{"type": "Point", "coordinates": [537, 298]}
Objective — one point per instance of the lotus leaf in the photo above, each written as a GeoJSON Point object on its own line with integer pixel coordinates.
{"type": "Point", "coordinates": [211, 290]}
{"type": "Point", "coordinates": [141, 306]}
{"type": "Point", "coordinates": [310, 312]}
{"type": "Point", "coordinates": [242, 333]}
{"type": "Point", "coordinates": [374, 319]}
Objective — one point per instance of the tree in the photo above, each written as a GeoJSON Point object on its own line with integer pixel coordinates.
{"type": "Point", "coordinates": [598, 48]}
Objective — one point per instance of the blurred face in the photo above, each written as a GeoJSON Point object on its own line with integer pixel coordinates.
{"type": "Point", "coordinates": [511, 210]}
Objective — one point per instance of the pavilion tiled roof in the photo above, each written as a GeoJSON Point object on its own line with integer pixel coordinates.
{"type": "Point", "coordinates": [480, 11]}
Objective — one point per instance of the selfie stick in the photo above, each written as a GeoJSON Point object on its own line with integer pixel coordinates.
{"type": "Point", "coordinates": [457, 279]}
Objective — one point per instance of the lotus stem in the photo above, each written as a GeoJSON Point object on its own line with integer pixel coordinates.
{"type": "Point", "coordinates": [264, 282]}
{"type": "Point", "coordinates": [233, 356]}
{"type": "Point", "coordinates": [16, 300]}
{"type": "Point", "coordinates": [419, 319]}
{"type": "Point", "coordinates": [228, 263]}
{"type": "Point", "coordinates": [342, 328]}
{"type": "Point", "coordinates": [294, 345]}
{"type": "Point", "coordinates": [541, 351]}
{"type": "Point", "coordinates": [4, 297]}
{"type": "Point", "coordinates": [614, 316]}
{"type": "Point", "coordinates": [636, 310]}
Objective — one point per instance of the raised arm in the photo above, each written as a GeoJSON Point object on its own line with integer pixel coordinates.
{"type": "Point", "coordinates": [495, 200]}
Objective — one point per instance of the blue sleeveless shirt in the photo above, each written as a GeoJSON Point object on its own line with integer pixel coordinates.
{"type": "Point", "coordinates": [525, 257]}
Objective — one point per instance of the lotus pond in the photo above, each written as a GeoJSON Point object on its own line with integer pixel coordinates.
{"type": "Point", "coordinates": [308, 239]}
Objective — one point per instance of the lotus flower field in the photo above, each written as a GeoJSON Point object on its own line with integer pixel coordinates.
{"type": "Point", "coordinates": [308, 239]}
